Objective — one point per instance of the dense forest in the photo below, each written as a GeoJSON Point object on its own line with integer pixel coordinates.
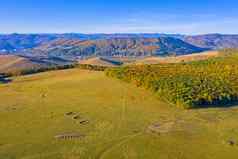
{"type": "Point", "coordinates": [213, 82]}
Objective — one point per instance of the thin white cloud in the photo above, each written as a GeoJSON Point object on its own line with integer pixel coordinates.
{"type": "Point", "coordinates": [199, 27]}
{"type": "Point", "coordinates": [140, 22]}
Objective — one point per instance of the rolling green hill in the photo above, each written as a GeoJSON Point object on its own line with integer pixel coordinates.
{"type": "Point", "coordinates": [79, 114]}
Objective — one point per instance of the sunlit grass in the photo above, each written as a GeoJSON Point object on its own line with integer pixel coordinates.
{"type": "Point", "coordinates": [33, 110]}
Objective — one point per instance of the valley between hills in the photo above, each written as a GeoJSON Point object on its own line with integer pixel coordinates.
{"type": "Point", "coordinates": [123, 98]}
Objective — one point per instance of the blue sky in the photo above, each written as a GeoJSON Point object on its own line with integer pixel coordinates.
{"type": "Point", "coordinates": [119, 16]}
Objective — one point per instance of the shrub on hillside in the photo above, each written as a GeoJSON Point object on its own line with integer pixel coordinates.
{"type": "Point", "coordinates": [91, 67]}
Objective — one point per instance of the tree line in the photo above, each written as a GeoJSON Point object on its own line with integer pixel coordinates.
{"type": "Point", "coordinates": [52, 68]}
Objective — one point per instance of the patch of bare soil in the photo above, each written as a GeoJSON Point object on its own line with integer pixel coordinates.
{"type": "Point", "coordinates": [69, 136]}
{"type": "Point", "coordinates": [77, 117]}
{"type": "Point", "coordinates": [160, 128]}
{"type": "Point", "coordinates": [165, 127]}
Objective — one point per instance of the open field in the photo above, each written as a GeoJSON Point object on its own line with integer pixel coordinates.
{"type": "Point", "coordinates": [184, 58]}
{"type": "Point", "coordinates": [78, 114]}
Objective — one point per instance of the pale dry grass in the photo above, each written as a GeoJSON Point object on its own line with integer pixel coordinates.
{"type": "Point", "coordinates": [97, 61]}
{"type": "Point", "coordinates": [11, 63]}
{"type": "Point", "coordinates": [178, 59]}
{"type": "Point", "coordinates": [33, 107]}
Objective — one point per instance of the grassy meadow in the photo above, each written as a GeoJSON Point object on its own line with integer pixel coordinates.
{"type": "Point", "coordinates": [116, 120]}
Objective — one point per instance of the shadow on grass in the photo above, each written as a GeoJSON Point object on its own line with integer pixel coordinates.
{"type": "Point", "coordinates": [227, 104]}
{"type": "Point", "coordinates": [5, 80]}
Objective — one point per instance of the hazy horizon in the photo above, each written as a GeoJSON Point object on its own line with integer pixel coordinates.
{"type": "Point", "coordinates": [114, 33]}
{"type": "Point", "coordinates": [105, 16]}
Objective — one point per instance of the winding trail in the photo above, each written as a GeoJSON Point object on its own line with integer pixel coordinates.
{"type": "Point", "coordinates": [115, 144]}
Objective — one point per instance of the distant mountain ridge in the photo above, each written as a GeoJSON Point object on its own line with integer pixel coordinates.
{"type": "Point", "coordinates": [16, 42]}
{"type": "Point", "coordinates": [213, 41]}
{"type": "Point", "coordinates": [113, 44]}
{"type": "Point", "coordinates": [162, 46]}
